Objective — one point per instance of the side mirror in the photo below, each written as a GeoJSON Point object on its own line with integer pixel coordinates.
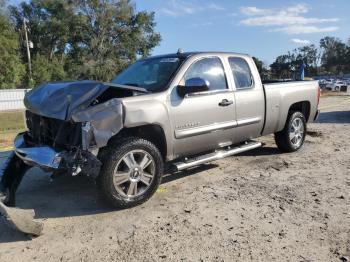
{"type": "Point", "coordinates": [193, 85]}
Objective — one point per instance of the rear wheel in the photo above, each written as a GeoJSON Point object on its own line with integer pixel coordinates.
{"type": "Point", "coordinates": [292, 137]}
{"type": "Point", "coordinates": [131, 172]}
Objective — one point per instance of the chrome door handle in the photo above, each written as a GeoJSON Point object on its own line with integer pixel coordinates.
{"type": "Point", "coordinates": [225, 102]}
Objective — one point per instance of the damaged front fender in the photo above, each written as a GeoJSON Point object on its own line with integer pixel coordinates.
{"type": "Point", "coordinates": [105, 120]}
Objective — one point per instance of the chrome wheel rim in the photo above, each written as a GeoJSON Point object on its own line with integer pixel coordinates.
{"type": "Point", "coordinates": [296, 132]}
{"type": "Point", "coordinates": [134, 173]}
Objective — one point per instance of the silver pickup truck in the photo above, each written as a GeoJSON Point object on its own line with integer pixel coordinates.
{"type": "Point", "coordinates": [172, 111]}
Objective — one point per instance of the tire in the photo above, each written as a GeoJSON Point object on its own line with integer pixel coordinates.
{"type": "Point", "coordinates": [295, 124]}
{"type": "Point", "coordinates": [131, 172]}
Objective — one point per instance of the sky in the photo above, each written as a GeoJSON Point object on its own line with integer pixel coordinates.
{"type": "Point", "coordinates": [261, 28]}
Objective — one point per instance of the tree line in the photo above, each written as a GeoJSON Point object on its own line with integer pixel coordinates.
{"type": "Point", "coordinates": [72, 39]}
{"type": "Point", "coordinates": [330, 58]}
{"type": "Point", "coordinates": [96, 39]}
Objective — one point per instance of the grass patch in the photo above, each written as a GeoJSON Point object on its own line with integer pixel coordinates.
{"type": "Point", "coordinates": [12, 120]}
{"type": "Point", "coordinates": [11, 123]}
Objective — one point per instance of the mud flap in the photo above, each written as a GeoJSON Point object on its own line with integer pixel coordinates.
{"type": "Point", "coordinates": [11, 176]}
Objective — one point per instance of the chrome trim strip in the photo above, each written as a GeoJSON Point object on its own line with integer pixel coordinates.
{"type": "Point", "coordinates": [182, 133]}
{"type": "Point", "coordinates": [207, 93]}
{"type": "Point", "coordinates": [248, 121]}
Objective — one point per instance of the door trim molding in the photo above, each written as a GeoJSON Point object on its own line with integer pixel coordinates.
{"type": "Point", "coordinates": [188, 132]}
{"type": "Point", "coordinates": [248, 121]}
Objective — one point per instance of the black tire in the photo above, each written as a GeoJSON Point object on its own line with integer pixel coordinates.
{"type": "Point", "coordinates": [282, 138]}
{"type": "Point", "coordinates": [112, 158]}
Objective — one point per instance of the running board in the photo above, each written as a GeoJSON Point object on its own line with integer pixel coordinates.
{"type": "Point", "coordinates": [216, 155]}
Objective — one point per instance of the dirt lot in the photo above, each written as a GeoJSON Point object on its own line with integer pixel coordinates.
{"type": "Point", "coordinates": [261, 206]}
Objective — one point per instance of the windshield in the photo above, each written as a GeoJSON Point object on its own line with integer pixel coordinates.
{"type": "Point", "coordinates": [151, 74]}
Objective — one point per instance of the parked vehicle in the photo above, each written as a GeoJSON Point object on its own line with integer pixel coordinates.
{"type": "Point", "coordinates": [322, 84]}
{"type": "Point", "coordinates": [336, 85]}
{"type": "Point", "coordinates": [175, 111]}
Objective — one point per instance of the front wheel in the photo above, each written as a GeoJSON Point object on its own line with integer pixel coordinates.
{"type": "Point", "coordinates": [131, 172]}
{"type": "Point", "coordinates": [292, 137]}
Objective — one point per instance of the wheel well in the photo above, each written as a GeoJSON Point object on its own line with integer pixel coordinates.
{"type": "Point", "coordinates": [152, 133]}
{"type": "Point", "coordinates": [303, 107]}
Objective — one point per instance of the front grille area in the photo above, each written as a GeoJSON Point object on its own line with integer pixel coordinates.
{"type": "Point", "coordinates": [53, 132]}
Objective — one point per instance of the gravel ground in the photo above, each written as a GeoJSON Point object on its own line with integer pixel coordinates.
{"type": "Point", "coordinates": [259, 206]}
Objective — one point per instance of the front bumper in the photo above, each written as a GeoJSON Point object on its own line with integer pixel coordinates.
{"type": "Point", "coordinates": [50, 159]}
{"type": "Point", "coordinates": [45, 157]}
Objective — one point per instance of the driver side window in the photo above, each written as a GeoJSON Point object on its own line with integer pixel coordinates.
{"type": "Point", "coordinates": [210, 70]}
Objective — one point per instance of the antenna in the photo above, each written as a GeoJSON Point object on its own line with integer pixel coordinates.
{"type": "Point", "coordinates": [28, 45]}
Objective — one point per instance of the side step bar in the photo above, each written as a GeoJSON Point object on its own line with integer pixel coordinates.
{"type": "Point", "coordinates": [216, 155]}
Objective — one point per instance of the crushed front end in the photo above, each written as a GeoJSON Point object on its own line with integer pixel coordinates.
{"type": "Point", "coordinates": [55, 146]}
{"type": "Point", "coordinates": [64, 138]}
{"type": "Point", "coordinates": [58, 146]}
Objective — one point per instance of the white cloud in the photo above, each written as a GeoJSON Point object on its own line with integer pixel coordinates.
{"type": "Point", "coordinates": [301, 41]}
{"type": "Point", "coordinates": [290, 20]}
{"type": "Point", "coordinates": [252, 10]}
{"type": "Point", "coordinates": [177, 8]}
{"type": "Point", "coordinates": [296, 30]}
{"type": "Point", "coordinates": [297, 9]}
{"type": "Point", "coordinates": [214, 6]}
{"type": "Point", "coordinates": [285, 20]}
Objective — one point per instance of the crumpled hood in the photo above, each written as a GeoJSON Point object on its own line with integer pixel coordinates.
{"type": "Point", "coordinates": [61, 100]}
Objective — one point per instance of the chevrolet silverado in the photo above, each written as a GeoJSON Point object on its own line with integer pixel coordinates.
{"type": "Point", "coordinates": [168, 112]}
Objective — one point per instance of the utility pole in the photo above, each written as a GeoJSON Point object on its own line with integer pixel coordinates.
{"type": "Point", "coordinates": [28, 49]}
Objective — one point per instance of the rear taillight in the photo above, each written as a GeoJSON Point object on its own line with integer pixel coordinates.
{"type": "Point", "coordinates": [318, 95]}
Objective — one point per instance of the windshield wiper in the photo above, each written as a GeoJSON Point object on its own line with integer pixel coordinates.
{"type": "Point", "coordinates": [130, 87]}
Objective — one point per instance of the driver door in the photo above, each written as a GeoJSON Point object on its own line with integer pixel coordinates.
{"type": "Point", "coordinates": [203, 120]}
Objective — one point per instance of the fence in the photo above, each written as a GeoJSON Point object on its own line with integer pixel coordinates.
{"type": "Point", "coordinates": [12, 99]}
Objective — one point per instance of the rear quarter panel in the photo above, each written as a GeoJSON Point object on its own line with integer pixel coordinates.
{"type": "Point", "coordinates": [281, 96]}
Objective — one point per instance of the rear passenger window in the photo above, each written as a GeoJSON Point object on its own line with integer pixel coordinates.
{"type": "Point", "coordinates": [241, 72]}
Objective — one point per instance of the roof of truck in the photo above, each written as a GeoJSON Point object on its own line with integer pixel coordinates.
{"type": "Point", "coordinates": [188, 54]}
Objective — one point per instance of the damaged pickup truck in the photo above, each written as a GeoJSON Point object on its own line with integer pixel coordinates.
{"type": "Point", "coordinates": [178, 110]}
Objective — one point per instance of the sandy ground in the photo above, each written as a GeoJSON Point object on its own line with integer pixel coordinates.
{"type": "Point", "coordinates": [260, 206]}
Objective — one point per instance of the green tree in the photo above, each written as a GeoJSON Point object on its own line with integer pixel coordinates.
{"type": "Point", "coordinates": [112, 37]}
{"type": "Point", "coordinates": [264, 74]}
{"type": "Point", "coordinates": [11, 68]}
{"type": "Point", "coordinates": [334, 55]}
{"type": "Point", "coordinates": [288, 65]}
{"type": "Point", "coordinates": [89, 38]}
{"type": "Point", "coordinates": [282, 67]}
{"type": "Point", "coordinates": [45, 70]}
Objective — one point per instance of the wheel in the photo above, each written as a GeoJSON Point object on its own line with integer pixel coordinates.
{"type": "Point", "coordinates": [131, 172]}
{"type": "Point", "coordinates": [292, 137]}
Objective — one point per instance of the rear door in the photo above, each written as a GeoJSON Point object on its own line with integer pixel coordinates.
{"type": "Point", "coordinates": [250, 99]}
{"type": "Point", "coordinates": [204, 120]}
